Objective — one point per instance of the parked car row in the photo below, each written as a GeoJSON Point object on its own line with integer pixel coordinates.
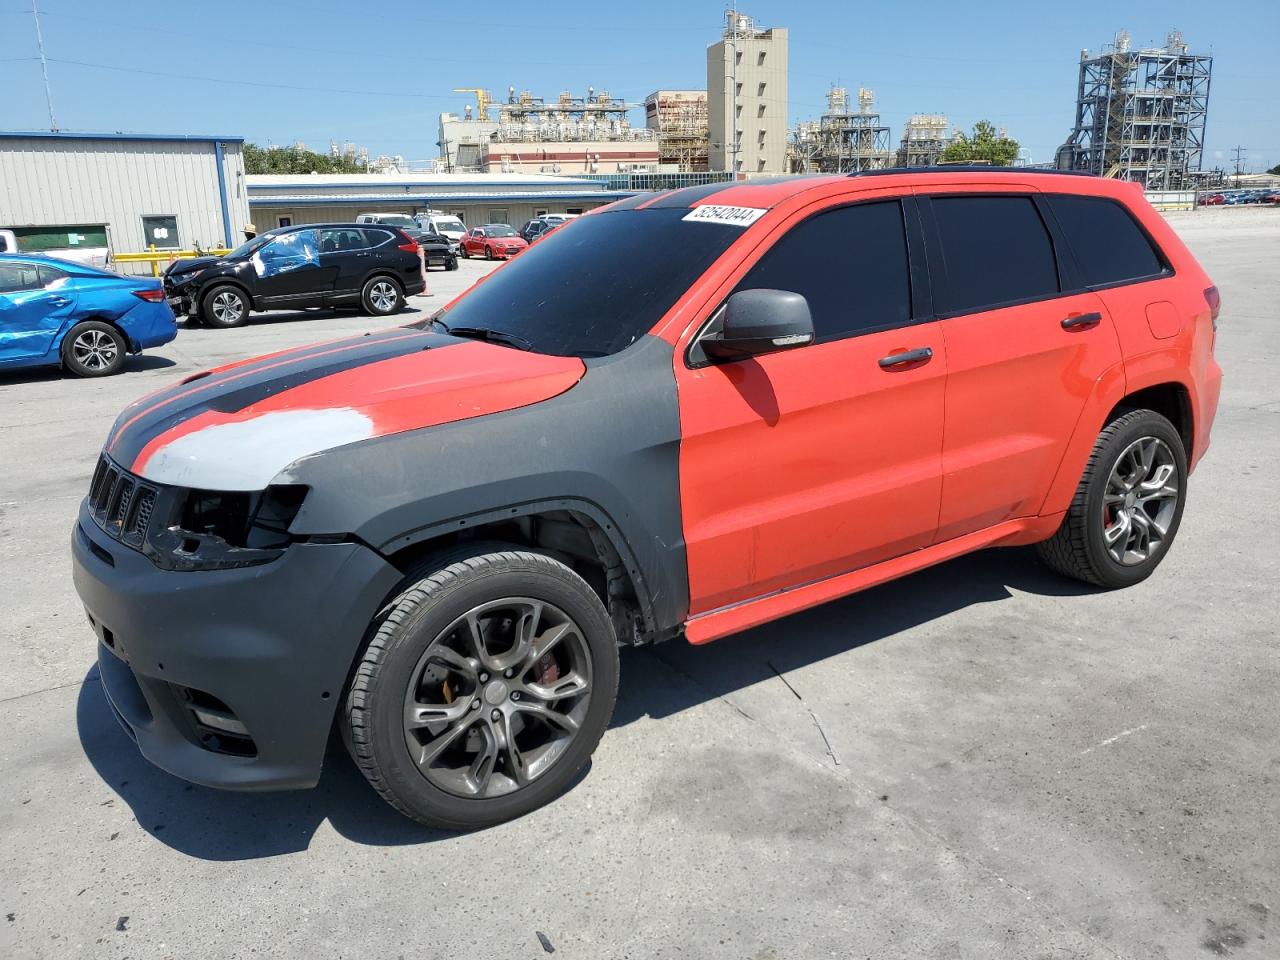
{"type": "Point", "coordinates": [55, 311]}
{"type": "Point", "coordinates": [1235, 197]}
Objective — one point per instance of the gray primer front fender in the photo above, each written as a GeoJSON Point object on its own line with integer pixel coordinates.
{"type": "Point", "coordinates": [609, 447]}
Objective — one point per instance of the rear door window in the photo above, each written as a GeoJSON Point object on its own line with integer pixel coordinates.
{"type": "Point", "coordinates": [996, 251]}
{"type": "Point", "coordinates": [1109, 246]}
{"type": "Point", "coordinates": [851, 265]}
{"type": "Point", "coordinates": [16, 277]}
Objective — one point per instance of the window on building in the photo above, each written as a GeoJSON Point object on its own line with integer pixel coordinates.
{"type": "Point", "coordinates": [577, 210]}
{"type": "Point", "coordinates": [849, 263]}
{"type": "Point", "coordinates": [760, 91]}
{"type": "Point", "coordinates": [460, 214]}
{"type": "Point", "coordinates": [738, 89]}
{"type": "Point", "coordinates": [760, 59]}
{"type": "Point", "coordinates": [161, 232]}
{"type": "Point", "coordinates": [498, 214]}
{"type": "Point", "coordinates": [1108, 246]}
{"type": "Point", "coordinates": [284, 221]}
{"type": "Point", "coordinates": [737, 56]}
{"type": "Point", "coordinates": [760, 110]}
{"type": "Point", "coordinates": [996, 249]}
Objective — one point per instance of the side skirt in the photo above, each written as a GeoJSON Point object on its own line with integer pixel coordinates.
{"type": "Point", "coordinates": [715, 624]}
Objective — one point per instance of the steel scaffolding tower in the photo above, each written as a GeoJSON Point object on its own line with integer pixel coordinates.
{"type": "Point", "coordinates": [1140, 114]}
{"type": "Point", "coordinates": [841, 141]}
{"type": "Point", "coordinates": [923, 140]}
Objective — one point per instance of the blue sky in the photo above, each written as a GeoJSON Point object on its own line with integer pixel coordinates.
{"type": "Point", "coordinates": [380, 73]}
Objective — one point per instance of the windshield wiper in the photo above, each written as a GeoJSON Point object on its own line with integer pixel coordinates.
{"type": "Point", "coordinates": [489, 336]}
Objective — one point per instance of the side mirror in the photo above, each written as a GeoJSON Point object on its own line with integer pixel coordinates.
{"type": "Point", "coordinates": [760, 321]}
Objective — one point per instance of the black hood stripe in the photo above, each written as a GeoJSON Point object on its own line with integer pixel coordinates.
{"type": "Point", "coordinates": [233, 395]}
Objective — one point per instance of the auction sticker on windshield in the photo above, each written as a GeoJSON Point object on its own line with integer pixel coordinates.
{"type": "Point", "coordinates": [733, 216]}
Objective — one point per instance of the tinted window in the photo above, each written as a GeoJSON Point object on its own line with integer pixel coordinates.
{"type": "Point", "coordinates": [19, 276]}
{"type": "Point", "coordinates": [377, 238]}
{"type": "Point", "coordinates": [335, 241]}
{"type": "Point", "coordinates": [850, 264]}
{"type": "Point", "coordinates": [49, 276]}
{"type": "Point", "coordinates": [996, 249]}
{"type": "Point", "coordinates": [1108, 246]}
{"type": "Point", "coordinates": [595, 287]}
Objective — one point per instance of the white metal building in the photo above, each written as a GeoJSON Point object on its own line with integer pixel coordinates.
{"type": "Point", "coordinates": [64, 189]}
{"type": "Point", "coordinates": [278, 200]}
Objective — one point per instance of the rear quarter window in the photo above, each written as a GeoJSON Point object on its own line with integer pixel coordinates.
{"type": "Point", "coordinates": [1108, 244]}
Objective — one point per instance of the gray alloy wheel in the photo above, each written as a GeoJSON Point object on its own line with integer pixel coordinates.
{"type": "Point", "coordinates": [498, 697]}
{"type": "Point", "coordinates": [487, 682]}
{"type": "Point", "coordinates": [1140, 500]}
{"type": "Point", "coordinates": [93, 349]}
{"type": "Point", "coordinates": [225, 306]}
{"type": "Point", "coordinates": [1127, 506]}
{"type": "Point", "coordinates": [382, 296]}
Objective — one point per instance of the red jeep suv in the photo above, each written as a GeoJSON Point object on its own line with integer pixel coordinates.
{"type": "Point", "coordinates": [682, 415]}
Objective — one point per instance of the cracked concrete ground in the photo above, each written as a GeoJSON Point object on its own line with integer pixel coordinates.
{"type": "Point", "coordinates": [981, 760]}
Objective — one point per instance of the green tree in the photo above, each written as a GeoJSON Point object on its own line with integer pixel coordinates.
{"type": "Point", "coordinates": [293, 160]}
{"type": "Point", "coordinates": [1275, 171]}
{"type": "Point", "coordinates": [985, 145]}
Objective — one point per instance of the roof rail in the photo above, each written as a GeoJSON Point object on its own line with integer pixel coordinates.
{"type": "Point", "coordinates": [972, 168]}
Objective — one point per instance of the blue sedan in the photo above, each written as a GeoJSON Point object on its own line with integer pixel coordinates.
{"type": "Point", "coordinates": [57, 312]}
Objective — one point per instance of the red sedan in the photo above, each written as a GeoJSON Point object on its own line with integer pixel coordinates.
{"type": "Point", "coordinates": [493, 241]}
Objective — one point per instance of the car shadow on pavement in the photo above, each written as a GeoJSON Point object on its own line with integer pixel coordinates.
{"type": "Point", "coordinates": [132, 364]}
{"type": "Point", "coordinates": [222, 825]}
{"type": "Point", "coordinates": [225, 825]}
{"type": "Point", "coordinates": [648, 688]}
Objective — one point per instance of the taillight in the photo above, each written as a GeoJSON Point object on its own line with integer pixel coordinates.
{"type": "Point", "coordinates": [411, 245]}
{"type": "Point", "coordinates": [1214, 300]}
{"type": "Point", "coordinates": [151, 296]}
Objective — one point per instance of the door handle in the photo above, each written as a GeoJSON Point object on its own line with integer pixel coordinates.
{"type": "Point", "coordinates": [58, 301]}
{"type": "Point", "coordinates": [919, 355]}
{"type": "Point", "coordinates": [1081, 321]}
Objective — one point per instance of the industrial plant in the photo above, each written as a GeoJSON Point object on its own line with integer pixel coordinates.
{"type": "Point", "coordinates": [1140, 114]}
{"type": "Point", "coordinates": [841, 141]}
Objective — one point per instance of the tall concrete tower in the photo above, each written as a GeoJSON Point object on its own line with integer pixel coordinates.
{"type": "Point", "coordinates": [747, 97]}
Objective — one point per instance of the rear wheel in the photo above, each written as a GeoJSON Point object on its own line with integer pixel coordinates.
{"type": "Point", "coordinates": [1127, 509]}
{"type": "Point", "coordinates": [485, 689]}
{"type": "Point", "coordinates": [382, 296]}
{"type": "Point", "coordinates": [93, 349]}
{"type": "Point", "coordinates": [225, 306]}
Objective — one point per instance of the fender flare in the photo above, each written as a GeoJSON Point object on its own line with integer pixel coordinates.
{"type": "Point", "coordinates": [606, 525]}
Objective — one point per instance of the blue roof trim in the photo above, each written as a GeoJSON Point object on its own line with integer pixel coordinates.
{"type": "Point", "coordinates": [307, 185]}
{"type": "Point", "coordinates": [441, 199]}
{"type": "Point", "coordinates": [67, 135]}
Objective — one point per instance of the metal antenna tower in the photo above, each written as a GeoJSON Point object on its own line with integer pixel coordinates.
{"type": "Point", "coordinates": [44, 67]}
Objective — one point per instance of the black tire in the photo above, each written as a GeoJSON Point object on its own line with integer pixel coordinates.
{"type": "Point", "coordinates": [488, 252]}
{"type": "Point", "coordinates": [465, 254]}
{"type": "Point", "coordinates": [451, 263]}
{"type": "Point", "coordinates": [392, 665]}
{"type": "Point", "coordinates": [382, 296]}
{"type": "Point", "coordinates": [93, 349]}
{"type": "Point", "coordinates": [224, 306]}
{"type": "Point", "coordinates": [1079, 548]}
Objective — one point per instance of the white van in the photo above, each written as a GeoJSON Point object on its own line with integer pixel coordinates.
{"type": "Point", "coordinates": [445, 224]}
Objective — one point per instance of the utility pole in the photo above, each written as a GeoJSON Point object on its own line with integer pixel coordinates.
{"type": "Point", "coordinates": [44, 67]}
{"type": "Point", "coordinates": [1239, 151]}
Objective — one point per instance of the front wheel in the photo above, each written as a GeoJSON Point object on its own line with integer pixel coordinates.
{"type": "Point", "coordinates": [1128, 506]}
{"type": "Point", "coordinates": [225, 306]}
{"type": "Point", "coordinates": [381, 296]}
{"type": "Point", "coordinates": [485, 689]}
{"type": "Point", "coordinates": [488, 253]}
{"type": "Point", "coordinates": [93, 349]}
{"type": "Point", "coordinates": [451, 263]}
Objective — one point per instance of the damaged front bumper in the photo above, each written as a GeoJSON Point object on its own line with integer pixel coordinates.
{"type": "Point", "coordinates": [229, 678]}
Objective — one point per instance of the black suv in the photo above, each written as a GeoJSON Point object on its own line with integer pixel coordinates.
{"type": "Point", "coordinates": [318, 265]}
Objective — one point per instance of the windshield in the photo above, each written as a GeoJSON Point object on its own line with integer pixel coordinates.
{"type": "Point", "coordinates": [395, 220]}
{"type": "Point", "coordinates": [595, 286]}
{"type": "Point", "coordinates": [249, 246]}
{"type": "Point", "coordinates": [449, 223]}
{"type": "Point", "coordinates": [498, 230]}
